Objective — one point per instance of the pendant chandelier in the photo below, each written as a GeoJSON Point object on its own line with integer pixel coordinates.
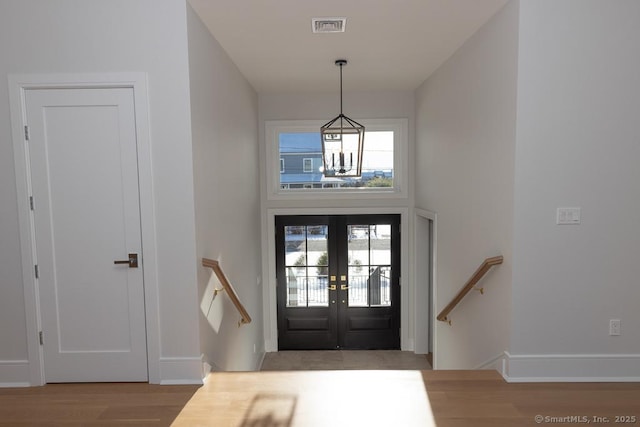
{"type": "Point", "coordinates": [342, 143]}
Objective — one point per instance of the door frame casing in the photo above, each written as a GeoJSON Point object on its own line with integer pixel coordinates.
{"type": "Point", "coordinates": [269, 267]}
{"type": "Point", "coordinates": [18, 85]}
{"type": "Point", "coordinates": [431, 217]}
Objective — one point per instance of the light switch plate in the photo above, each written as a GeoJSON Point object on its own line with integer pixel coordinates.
{"type": "Point", "coordinates": [568, 216]}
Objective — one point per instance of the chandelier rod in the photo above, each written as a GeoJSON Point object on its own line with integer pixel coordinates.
{"type": "Point", "coordinates": [341, 63]}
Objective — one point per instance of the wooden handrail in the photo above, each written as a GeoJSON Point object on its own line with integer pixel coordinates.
{"type": "Point", "coordinates": [226, 286]}
{"type": "Point", "coordinates": [475, 278]}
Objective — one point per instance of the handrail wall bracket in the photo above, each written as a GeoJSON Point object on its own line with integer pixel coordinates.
{"type": "Point", "coordinates": [473, 280]}
{"type": "Point", "coordinates": [226, 286]}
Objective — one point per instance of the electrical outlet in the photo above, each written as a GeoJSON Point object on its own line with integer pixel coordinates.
{"type": "Point", "coordinates": [614, 327]}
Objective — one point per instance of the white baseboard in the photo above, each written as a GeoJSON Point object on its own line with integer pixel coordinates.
{"type": "Point", "coordinates": [206, 368]}
{"type": "Point", "coordinates": [260, 361]}
{"type": "Point", "coordinates": [407, 345]}
{"type": "Point", "coordinates": [270, 346]}
{"type": "Point", "coordinates": [495, 362]}
{"type": "Point", "coordinates": [173, 370]}
{"type": "Point", "coordinates": [14, 373]}
{"type": "Point", "coordinates": [180, 370]}
{"type": "Point", "coordinates": [571, 368]}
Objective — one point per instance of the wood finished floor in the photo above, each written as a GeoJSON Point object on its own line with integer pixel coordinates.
{"type": "Point", "coordinates": [325, 398]}
{"type": "Point", "coordinates": [93, 405]}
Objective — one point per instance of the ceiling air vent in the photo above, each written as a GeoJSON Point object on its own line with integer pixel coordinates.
{"type": "Point", "coordinates": [328, 25]}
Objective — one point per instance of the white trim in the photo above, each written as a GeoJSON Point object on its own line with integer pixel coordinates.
{"type": "Point", "coordinates": [208, 366]}
{"type": "Point", "coordinates": [271, 344]}
{"type": "Point", "coordinates": [496, 362]}
{"type": "Point", "coordinates": [304, 165]}
{"type": "Point", "coordinates": [408, 343]}
{"type": "Point", "coordinates": [25, 224]}
{"type": "Point", "coordinates": [138, 82]}
{"type": "Point", "coordinates": [260, 361]}
{"type": "Point", "coordinates": [181, 370]}
{"type": "Point", "coordinates": [269, 267]}
{"type": "Point", "coordinates": [571, 368]}
{"type": "Point", "coordinates": [14, 373]}
{"type": "Point", "coordinates": [433, 217]}
{"type": "Point", "coordinates": [400, 127]}
{"type": "Point", "coordinates": [14, 385]}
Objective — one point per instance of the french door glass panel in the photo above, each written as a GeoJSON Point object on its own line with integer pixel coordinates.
{"type": "Point", "coordinates": [369, 248]}
{"type": "Point", "coordinates": [306, 263]}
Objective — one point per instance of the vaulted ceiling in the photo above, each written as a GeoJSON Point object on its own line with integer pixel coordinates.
{"type": "Point", "coordinates": [390, 44]}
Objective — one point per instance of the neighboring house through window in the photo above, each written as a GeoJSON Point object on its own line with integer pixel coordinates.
{"type": "Point", "coordinates": [297, 146]}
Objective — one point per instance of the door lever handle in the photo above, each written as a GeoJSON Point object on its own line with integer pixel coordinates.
{"type": "Point", "coordinates": [344, 287]}
{"type": "Point", "coordinates": [332, 287]}
{"type": "Point", "coordinates": [132, 261]}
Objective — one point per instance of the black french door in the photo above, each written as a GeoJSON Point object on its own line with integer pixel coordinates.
{"type": "Point", "coordinates": [338, 282]}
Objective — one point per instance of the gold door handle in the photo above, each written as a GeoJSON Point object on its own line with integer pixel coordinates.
{"type": "Point", "coordinates": [132, 261]}
{"type": "Point", "coordinates": [344, 287]}
{"type": "Point", "coordinates": [332, 287]}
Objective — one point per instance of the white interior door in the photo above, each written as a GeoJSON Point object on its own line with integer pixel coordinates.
{"type": "Point", "coordinates": [84, 178]}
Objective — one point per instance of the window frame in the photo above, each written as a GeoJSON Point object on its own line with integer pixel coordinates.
{"type": "Point", "coordinates": [273, 128]}
{"type": "Point", "coordinates": [304, 165]}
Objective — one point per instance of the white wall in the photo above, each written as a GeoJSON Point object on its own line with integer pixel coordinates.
{"type": "Point", "coordinates": [465, 136]}
{"type": "Point", "coordinates": [326, 105]}
{"type": "Point", "coordinates": [224, 111]}
{"type": "Point", "coordinates": [578, 144]}
{"type": "Point", "coordinates": [149, 36]}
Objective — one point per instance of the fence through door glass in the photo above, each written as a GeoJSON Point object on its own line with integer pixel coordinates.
{"type": "Point", "coordinates": [306, 265]}
{"type": "Point", "coordinates": [369, 248]}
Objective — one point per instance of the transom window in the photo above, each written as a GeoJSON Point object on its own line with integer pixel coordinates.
{"type": "Point", "coordinates": [298, 149]}
{"type": "Point", "coordinates": [377, 161]}
{"type": "Point", "coordinates": [294, 168]}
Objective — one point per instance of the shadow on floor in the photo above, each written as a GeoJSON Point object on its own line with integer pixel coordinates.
{"type": "Point", "coordinates": [270, 410]}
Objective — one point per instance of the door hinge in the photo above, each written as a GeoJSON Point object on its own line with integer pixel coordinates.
{"type": "Point", "coordinates": [31, 202]}
{"type": "Point", "coordinates": [35, 267]}
{"type": "Point", "coordinates": [26, 133]}
{"type": "Point", "coordinates": [41, 336]}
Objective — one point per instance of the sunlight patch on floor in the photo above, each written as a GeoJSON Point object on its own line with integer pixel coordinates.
{"type": "Point", "coordinates": [310, 399]}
